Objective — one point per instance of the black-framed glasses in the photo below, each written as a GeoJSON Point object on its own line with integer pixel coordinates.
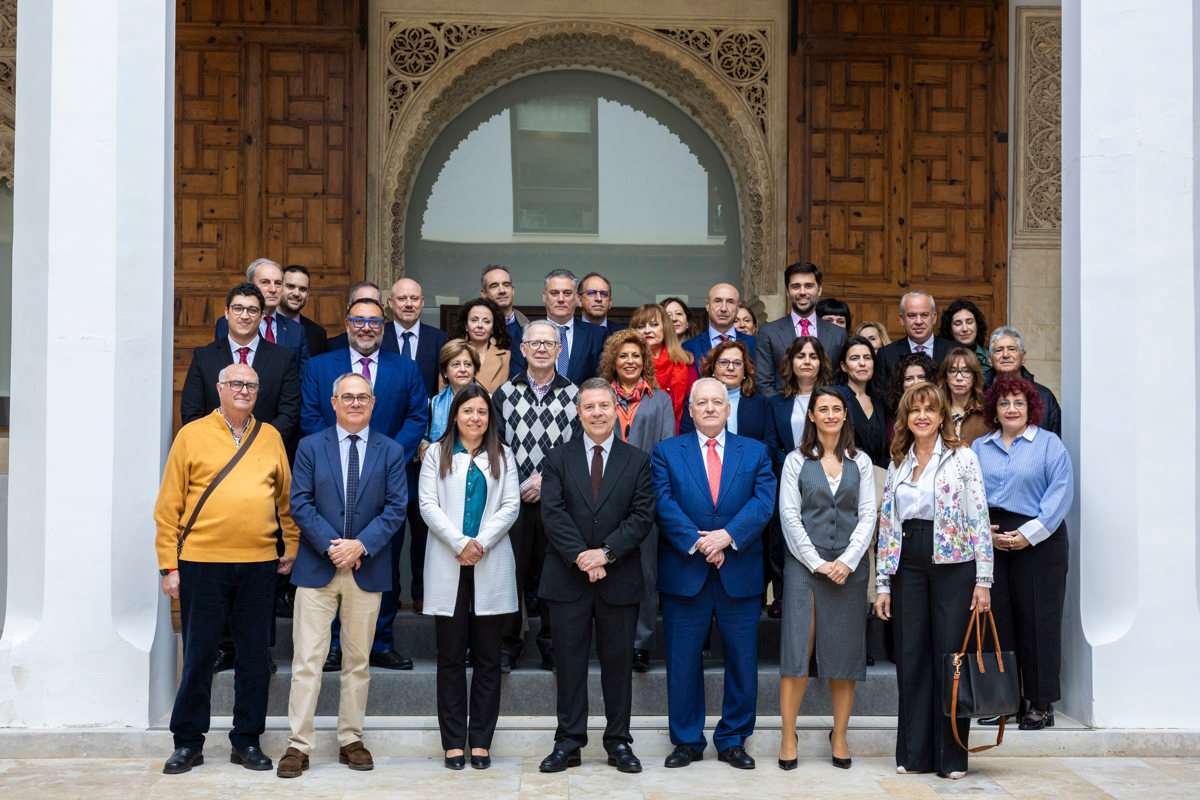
{"type": "Point", "coordinates": [958, 372]}
{"type": "Point", "coordinates": [541, 344]}
{"type": "Point", "coordinates": [353, 399]}
{"type": "Point", "coordinates": [245, 311]}
{"type": "Point", "coordinates": [597, 293]}
{"type": "Point", "coordinates": [237, 386]}
{"type": "Point", "coordinates": [365, 322]}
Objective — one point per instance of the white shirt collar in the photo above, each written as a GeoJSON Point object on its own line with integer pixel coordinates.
{"type": "Point", "coordinates": [252, 344]}
{"type": "Point", "coordinates": [720, 437]}
{"type": "Point", "coordinates": [342, 434]}
{"type": "Point", "coordinates": [606, 445]}
{"type": "Point", "coordinates": [415, 330]}
{"type": "Point", "coordinates": [1028, 434]}
{"type": "Point", "coordinates": [812, 320]}
{"type": "Point", "coordinates": [713, 333]}
{"type": "Point", "coordinates": [938, 448]}
{"type": "Point", "coordinates": [569, 324]}
{"type": "Point", "coordinates": [912, 346]}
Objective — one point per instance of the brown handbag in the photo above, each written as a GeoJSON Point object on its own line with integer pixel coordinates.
{"type": "Point", "coordinates": [978, 685]}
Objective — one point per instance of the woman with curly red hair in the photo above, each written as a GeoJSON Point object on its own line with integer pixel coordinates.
{"type": "Point", "coordinates": [1030, 486]}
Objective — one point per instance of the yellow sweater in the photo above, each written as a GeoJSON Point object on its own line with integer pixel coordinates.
{"type": "Point", "coordinates": [238, 521]}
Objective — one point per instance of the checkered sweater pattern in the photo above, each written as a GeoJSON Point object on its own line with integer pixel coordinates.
{"type": "Point", "coordinates": [532, 427]}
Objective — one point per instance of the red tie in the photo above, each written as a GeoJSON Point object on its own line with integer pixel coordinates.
{"type": "Point", "coordinates": [270, 330]}
{"type": "Point", "coordinates": [714, 469]}
{"type": "Point", "coordinates": [804, 327]}
{"type": "Point", "coordinates": [242, 353]}
{"type": "Point", "coordinates": [366, 365]}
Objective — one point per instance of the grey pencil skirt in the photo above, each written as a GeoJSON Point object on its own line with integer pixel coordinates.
{"type": "Point", "coordinates": [841, 619]}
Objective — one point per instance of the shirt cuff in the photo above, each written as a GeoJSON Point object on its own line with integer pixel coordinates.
{"type": "Point", "coordinates": [1034, 531]}
{"type": "Point", "coordinates": [733, 543]}
{"type": "Point", "coordinates": [984, 582]}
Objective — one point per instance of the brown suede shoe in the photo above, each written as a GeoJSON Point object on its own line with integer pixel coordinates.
{"type": "Point", "coordinates": [356, 757]}
{"type": "Point", "coordinates": [292, 764]}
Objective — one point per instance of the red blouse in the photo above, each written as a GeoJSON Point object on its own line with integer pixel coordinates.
{"type": "Point", "coordinates": [676, 379]}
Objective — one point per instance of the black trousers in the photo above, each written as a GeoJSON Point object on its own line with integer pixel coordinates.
{"type": "Point", "coordinates": [208, 595]}
{"type": "Point", "coordinates": [528, 539]}
{"type": "Point", "coordinates": [1028, 594]}
{"type": "Point", "coordinates": [773, 556]}
{"type": "Point", "coordinates": [615, 627]}
{"type": "Point", "coordinates": [931, 606]}
{"type": "Point", "coordinates": [419, 532]}
{"type": "Point", "coordinates": [467, 720]}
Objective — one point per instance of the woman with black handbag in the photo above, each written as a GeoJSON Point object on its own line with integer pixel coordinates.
{"type": "Point", "coordinates": [1030, 486]}
{"type": "Point", "coordinates": [934, 568]}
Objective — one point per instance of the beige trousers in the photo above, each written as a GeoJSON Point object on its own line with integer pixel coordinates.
{"type": "Point", "coordinates": [312, 615]}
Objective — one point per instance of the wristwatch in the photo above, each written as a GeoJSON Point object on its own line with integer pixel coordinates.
{"type": "Point", "coordinates": [609, 556]}
{"type": "Point", "coordinates": [165, 572]}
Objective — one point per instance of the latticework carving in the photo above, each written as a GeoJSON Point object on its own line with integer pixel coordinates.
{"type": "Point", "coordinates": [739, 55]}
{"type": "Point", "coordinates": [414, 50]}
{"type": "Point", "coordinates": [8, 24]}
{"type": "Point", "coordinates": [1038, 207]}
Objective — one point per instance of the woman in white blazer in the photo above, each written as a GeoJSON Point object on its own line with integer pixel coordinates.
{"type": "Point", "coordinates": [469, 498]}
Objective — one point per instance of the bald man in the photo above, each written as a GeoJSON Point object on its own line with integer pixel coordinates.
{"type": "Point", "coordinates": [722, 309]}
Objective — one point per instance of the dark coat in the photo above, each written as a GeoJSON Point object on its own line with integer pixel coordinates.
{"type": "Point", "coordinates": [278, 401]}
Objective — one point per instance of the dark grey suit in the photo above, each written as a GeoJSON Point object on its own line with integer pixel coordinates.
{"type": "Point", "coordinates": [774, 338]}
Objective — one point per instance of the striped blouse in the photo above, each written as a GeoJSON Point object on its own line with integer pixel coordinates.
{"type": "Point", "coordinates": [1033, 477]}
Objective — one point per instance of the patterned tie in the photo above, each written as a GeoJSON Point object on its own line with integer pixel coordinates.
{"type": "Point", "coordinates": [804, 327]}
{"type": "Point", "coordinates": [366, 367]}
{"type": "Point", "coordinates": [270, 335]}
{"type": "Point", "coordinates": [564, 358]}
{"type": "Point", "coordinates": [714, 469]}
{"type": "Point", "coordinates": [351, 487]}
{"type": "Point", "coordinates": [243, 353]}
{"type": "Point", "coordinates": [724, 337]}
{"type": "Point", "coordinates": [406, 350]}
{"type": "Point", "coordinates": [597, 470]}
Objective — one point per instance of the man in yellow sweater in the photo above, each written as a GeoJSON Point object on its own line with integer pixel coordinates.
{"type": "Point", "coordinates": [225, 565]}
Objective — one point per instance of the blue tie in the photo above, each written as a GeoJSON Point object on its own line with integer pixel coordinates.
{"type": "Point", "coordinates": [564, 358]}
{"type": "Point", "coordinates": [406, 350]}
{"type": "Point", "coordinates": [351, 487]}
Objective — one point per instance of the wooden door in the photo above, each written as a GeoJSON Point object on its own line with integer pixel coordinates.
{"type": "Point", "coordinates": [898, 151]}
{"type": "Point", "coordinates": [270, 153]}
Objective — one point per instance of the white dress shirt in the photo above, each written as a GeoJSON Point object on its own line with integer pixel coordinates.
{"type": "Point", "coordinates": [415, 330]}
{"type": "Point", "coordinates": [589, 447]}
{"type": "Point", "coordinates": [714, 336]}
{"type": "Point", "coordinates": [812, 323]}
{"type": "Point", "coordinates": [343, 437]}
{"type": "Point", "coordinates": [791, 508]}
{"type": "Point", "coordinates": [253, 345]}
{"type": "Point", "coordinates": [720, 440]}
{"type": "Point", "coordinates": [914, 499]}
{"type": "Point", "coordinates": [799, 416]}
{"type": "Point", "coordinates": [926, 348]}
{"type": "Point", "coordinates": [570, 327]}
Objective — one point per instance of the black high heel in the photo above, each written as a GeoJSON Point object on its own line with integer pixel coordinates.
{"type": "Point", "coordinates": [840, 763]}
{"type": "Point", "coordinates": [791, 763]}
{"type": "Point", "coordinates": [455, 762]}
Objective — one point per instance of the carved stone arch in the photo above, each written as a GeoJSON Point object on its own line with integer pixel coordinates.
{"type": "Point", "coordinates": [436, 71]}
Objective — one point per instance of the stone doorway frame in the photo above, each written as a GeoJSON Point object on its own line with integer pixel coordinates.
{"type": "Point", "coordinates": [729, 76]}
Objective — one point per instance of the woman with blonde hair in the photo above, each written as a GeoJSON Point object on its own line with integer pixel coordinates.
{"type": "Point", "coordinates": [674, 367]}
{"type": "Point", "coordinates": [873, 332]}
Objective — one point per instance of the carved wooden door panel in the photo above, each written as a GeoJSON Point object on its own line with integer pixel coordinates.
{"type": "Point", "coordinates": [270, 153]}
{"type": "Point", "coordinates": [898, 151]}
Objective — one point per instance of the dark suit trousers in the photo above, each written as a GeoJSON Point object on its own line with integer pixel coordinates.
{"type": "Point", "coordinates": [209, 594]}
{"type": "Point", "coordinates": [454, 635]}
{"type": "Point", "coordinates": [615, 626]}
{"type": "Point", "coordinates": [528, 539]}
{"type": "Point", "coordinates": [931, 609]}
{"type": "Point", "coordinates": [685, 626]}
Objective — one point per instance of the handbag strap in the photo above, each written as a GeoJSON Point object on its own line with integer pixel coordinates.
{"type": "Point", "coordinates": [954, 715]}
{"type": "Point", "coordinates": [225, 470]}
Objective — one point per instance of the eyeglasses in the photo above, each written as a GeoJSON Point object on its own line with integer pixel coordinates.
{"type": "Point", "coordinates": [597, 293]}
{"type": "Point", "coordinates": [541, 344]}
{"type": "Point", "coordinates": [237, 386]}
{"type": "Point", "coordinates": [354, 399]}
{"type": "Point", "coordinates": [728, 363]}
{"type": "Point", "coordinates": [245, 311]}
{"type": "Point", "coordinates": [958, 372]}
{"type": "Point", "coordinates": [365, 322]}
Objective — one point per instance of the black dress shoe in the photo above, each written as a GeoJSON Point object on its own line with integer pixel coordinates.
{"type": "Point", "coordinates": [506, 663]}
{"type": "Point", "coordinates": [559, 760]}
{"type": "Point", "coordinates": [333, 661]}
{"type": "Point", "coordinates": [736, 757]}
{"type": "Point", "coordinates": [225, 660]}
{"type": "Point", "coordinates": [775, 610]}
{"type": "Point", "coordinates": [840, 763]}
{"type": "Point", "coordinates": [183, 759]}
{"type": "Point", "coordinates": [480, 762]}
{"type": "Point", "coordinates": [621, 756]}
{"type": "Point", "coordinates": [682, 756]}
{"type": "Point", "coordinates": [454, 762]}
{"type": "Point", "coordinates": [251, 758]}
{"type": "Point", "coordinates": [1036, 719]}
{"type": "Point", "coordinates": [547, 662]}
{"type": "Point", "coordinates": [641, 660]}
{"type": "Point", "coordinates": [390, 659]}
{"type": "Point", "coordinates": [994, 721]}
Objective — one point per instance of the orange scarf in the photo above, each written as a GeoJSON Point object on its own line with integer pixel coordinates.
{"type": "Point", "coordinates": [627, 403]}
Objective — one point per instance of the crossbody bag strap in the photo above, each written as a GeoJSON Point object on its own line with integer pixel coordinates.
{"type": "Point", "coordinates": [225, 470]}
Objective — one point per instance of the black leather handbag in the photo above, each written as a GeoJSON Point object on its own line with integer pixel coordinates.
{"type": "Point", "coordinates": [980, 684]}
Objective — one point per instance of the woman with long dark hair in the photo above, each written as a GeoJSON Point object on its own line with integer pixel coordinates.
{"type": "Point", "coordinates": [481, 325]}
{"type": "Point", "coordinates": [469, 498]}
{"type": "Point", "coordinates": [855, 378]}
{"type": "Point", "coordinates": [961, 380]}
{"type": "Point", "coordinates": [964, 324]}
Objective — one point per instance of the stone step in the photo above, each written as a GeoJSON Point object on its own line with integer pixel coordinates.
{"type": "Point", "coordinates": [531, 692]}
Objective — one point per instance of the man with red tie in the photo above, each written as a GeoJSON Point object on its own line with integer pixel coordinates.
{"type": "Point", "coordinates": [273, 326]}
{"type": "Point", "coordinates": [716, 493]}
{"type": "Point", "coordinates": [803, 283]}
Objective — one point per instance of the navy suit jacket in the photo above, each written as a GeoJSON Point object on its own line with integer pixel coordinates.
{"type": "Point", "coordinates": [744, 506]}
{"type": "Point", "coordinates": [586, 347]}
{"type": "Point", "coordinates": [287, 333]}
{"type": "Point", "coordinates": [780, 440]}
{"type": "Point", "coordinates": [429, 347]}
{"type": "Point", "coordinates": [700, 344]}
{"type": "Point", "coordinates": [319, 508]}
{"type": "Point", "coordinates": [401, 405]}
{"type": "Point", "coordinates": [752, 418]}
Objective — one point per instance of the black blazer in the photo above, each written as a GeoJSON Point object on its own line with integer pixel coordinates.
{"type": "Point", "coordinates": [621, 518]}
{"type": "Point", "coordinates": [870, 434]}
{"type": "Point", "coordinates": [779, 439]}
{"type": "Point", "coordinates": [429, 347]}
{"type": "Point", "coordinates": [278, 385]}
{"type": "Point", "coordinates": [891, 354]}
{"type": "Point", "coordinates": [752, 420]}
{"type": "Point", "coordinates": [316, 336]}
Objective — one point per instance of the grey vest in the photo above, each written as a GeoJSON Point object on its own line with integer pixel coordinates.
{"type": "Point", "coordinates": [828, 518]}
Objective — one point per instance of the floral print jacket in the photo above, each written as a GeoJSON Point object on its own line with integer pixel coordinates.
{"type": "Point", "coordinates": [962, 530]}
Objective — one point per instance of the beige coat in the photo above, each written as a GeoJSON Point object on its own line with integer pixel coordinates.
{"type": "Point", "coordinates": [493, 367]}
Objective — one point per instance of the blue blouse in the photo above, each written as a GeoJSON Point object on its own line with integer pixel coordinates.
{"type": "Point", "coordinates": [476, 496]}
{"type": "Point", "coordinates": [439, 413]}
{"type": "Point", "coordinates": [1033, 477]}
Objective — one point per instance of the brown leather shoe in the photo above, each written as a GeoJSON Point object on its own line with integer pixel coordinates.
{"type": "Point", "coordinates": [292, 764]}
{"type": "Point", "coordinates": [356, 757]}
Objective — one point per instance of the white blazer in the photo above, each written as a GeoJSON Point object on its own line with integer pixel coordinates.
{"type": "Point", "coordinates": [442, 501]}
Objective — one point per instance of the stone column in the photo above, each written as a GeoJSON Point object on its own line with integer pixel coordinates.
{"type": "Point", "coordinates": [1130, 359]}
{"type": "Point", "coordinates": [91, 365]}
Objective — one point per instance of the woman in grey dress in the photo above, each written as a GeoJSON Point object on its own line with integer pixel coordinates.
{"type": "Point", "coordinates": [827, 512]}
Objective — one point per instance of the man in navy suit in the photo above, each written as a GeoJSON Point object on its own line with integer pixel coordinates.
{"type": "Point", "coordinates": [722, 308]}
{"type": "Point", "coordinates": [580, 343]}
{"type": "Point", "coordinates": [401, 412]}
{"type": "Point", "coordinates": [421, 344]}
{"type": "Point", "coordinates": [359, 291]}
{"type": "Point", "coordinates": [274, 327]}
{"type": "Point", "coordinates": [349, 487]}
{"type": "Point", "coordinates": [296, 284]}
{"type": "Point", "coordinates": [716, 493]}
{"type": "Point", "coordinates": [918, 316]}
{"type": "Point", "coordinates": [595, 300]}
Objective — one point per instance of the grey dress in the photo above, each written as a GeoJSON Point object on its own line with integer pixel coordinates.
{"type": "Point", "coordinates": [824, 523]}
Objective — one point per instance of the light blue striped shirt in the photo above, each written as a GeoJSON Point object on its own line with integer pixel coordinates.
{"type": "Point", "coordinates": [1033, 477]}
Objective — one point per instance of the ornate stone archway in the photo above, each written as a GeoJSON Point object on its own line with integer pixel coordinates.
{"type": "Point", "coordinates": [729, 79]}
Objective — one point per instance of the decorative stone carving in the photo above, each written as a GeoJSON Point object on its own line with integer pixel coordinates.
{"type": "Point", "coordinates": [1037, 210]}
{"type": "Point", "coordinates": [8, 24]}
{"type": "Point", "coordinates": [718, 76]}
{"type": "Point", "coordinates": [8, 88]}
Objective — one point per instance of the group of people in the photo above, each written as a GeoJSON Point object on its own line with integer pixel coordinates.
{"type": "Point", "coordinates": [599, 476]}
